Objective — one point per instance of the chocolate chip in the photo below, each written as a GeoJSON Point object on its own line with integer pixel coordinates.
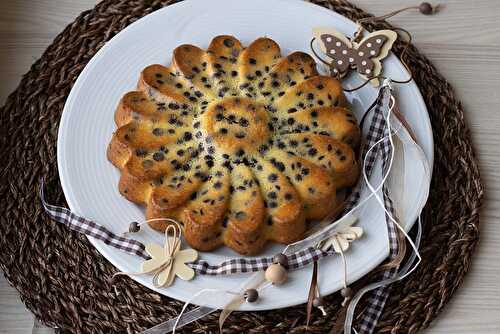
{"type": "Point", "coordinates": [157, 132]}
{"type": "Point", "coordinates": [243, 122]}
{"type": "Point", "coordinates": [228, 42]}
{"type": "Point", "coordinates": [312, 151]}
{"type": "Point", "coordinates": [158, 156]}
{"type": "Point", "coordinates": [240, 215]}
{"type": "Point", "coordinates": [140, 152]}
{"type": "Point", "coordinates": [269, 221]}
{"type": "Point", "coordinates": [173, 106]}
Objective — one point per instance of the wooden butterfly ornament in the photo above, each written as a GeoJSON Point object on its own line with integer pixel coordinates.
{"type": "Point", "coordinates": [346, 53]}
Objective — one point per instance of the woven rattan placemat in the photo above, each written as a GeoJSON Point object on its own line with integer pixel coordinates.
{"type": "Point", "coordinates": [63, 280]}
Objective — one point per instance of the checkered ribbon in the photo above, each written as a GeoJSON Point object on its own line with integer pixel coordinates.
{"type": "Point", "coordinates": [378, 130]}
{"type": "Point", "coordinates": [243, 265]}
{"type": "Point", "coordinates": [88, 227]}
{"type": "Point", "coordinates": [131, 246]}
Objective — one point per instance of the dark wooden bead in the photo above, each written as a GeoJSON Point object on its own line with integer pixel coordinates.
{"type": "Point", "coordinates": [281, 259]}
{"type": "Point", "coordinates": [346, 292]}
{"type": "Point", "coordinates": [318, 301]}
{"type": "Point", "coordinates": [134, 227]}
{"type": "Point", "coordinates": [251, 295]}
{"type": "Point", "coordinates": [425, 8]}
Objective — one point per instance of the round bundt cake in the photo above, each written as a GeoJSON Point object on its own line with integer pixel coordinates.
{"type": "Point", "coordinates": [240, 145]}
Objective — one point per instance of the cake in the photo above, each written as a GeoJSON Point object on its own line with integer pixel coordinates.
{"type": "Point", "coordinates": [240, 145]}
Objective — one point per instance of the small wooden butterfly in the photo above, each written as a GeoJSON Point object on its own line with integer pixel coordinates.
{"type": "Point", "coordinates": [364, 56]}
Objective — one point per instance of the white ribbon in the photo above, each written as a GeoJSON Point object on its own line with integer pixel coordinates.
{"type": "Point", "coordinates": [406, 139]}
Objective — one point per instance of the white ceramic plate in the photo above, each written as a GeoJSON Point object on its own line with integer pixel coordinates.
{"type": "Point", "coordinates": [90, 182]}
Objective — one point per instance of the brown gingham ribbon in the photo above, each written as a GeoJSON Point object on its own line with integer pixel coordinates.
{"type": "Point", "coordinates": [233, 266]}
{"type": "Point", "coordinates": [377, 131]}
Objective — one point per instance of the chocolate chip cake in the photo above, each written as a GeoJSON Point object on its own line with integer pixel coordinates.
{"type": "Point", "coordinates": [240, 145]}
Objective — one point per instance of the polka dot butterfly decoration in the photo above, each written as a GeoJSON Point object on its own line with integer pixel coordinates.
{"type": "Point", "coordinates": [347, 54]}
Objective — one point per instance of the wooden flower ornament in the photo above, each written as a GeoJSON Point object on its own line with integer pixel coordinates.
{"type": "Point", "coordinates": [168, 261]}
{"type": "Point", "coordinates": [343, 238]}
{"type": "Point", "coordinates": [340, 242]}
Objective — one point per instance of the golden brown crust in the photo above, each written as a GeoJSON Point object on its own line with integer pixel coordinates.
{"type": "Point", "coordinates": [240, 145]}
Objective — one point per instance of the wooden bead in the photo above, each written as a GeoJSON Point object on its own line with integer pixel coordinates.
{"type": "Point", "coordinates": [276, 274]}
{"type": "Point", "coordinates": [346, 292]}
{"type": "Point", "coordinates": [281, 259]}
{"type": "Point", "coordinates": [251, 295]}
{"type": "Point", "coordinates": [425, 8]}
{"type": "Point", "coordinates": [318, 301]}
{"type": "Point", "coordinates": [134, 227]}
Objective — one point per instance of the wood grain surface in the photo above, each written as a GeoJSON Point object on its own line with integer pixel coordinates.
{"type": "Point", "coordinates": [463, 41]}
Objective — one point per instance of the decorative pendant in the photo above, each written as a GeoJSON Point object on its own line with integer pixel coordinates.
{"type": "Point", "coordinates": [168, 261]}
{"type": "Point", "coordinates": [347, 54]}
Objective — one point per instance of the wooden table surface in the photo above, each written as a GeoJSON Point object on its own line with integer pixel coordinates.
{"type": "Point", "coordinates": [463, 41]}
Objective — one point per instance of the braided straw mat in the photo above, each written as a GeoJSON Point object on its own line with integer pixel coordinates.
{"type": "Point", "coordinates": [63, 280]}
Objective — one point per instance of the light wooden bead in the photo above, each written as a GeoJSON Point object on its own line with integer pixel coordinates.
{"type": "Point", "coordinates": [276, 274]}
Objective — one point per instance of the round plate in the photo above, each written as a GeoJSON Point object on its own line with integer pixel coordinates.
{"type": "Point", "coordinates": [90, 182]}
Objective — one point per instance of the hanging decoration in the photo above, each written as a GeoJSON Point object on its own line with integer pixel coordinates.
{"type": "Point", "coordinates": [363, 55]}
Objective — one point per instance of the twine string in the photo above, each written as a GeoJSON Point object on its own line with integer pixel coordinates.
{"type": "Point", "coordinates": [385, 16]}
